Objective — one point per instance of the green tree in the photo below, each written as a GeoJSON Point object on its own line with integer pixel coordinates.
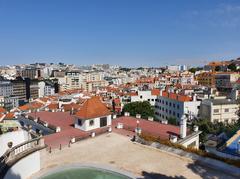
{"type": "Point", "coordinates": [144, 108]}
{"type": "Point", "coordinates": [232, 67]}
{"type": "Point", "coordinates": [192, 70]}
{"type": "Point", "coordinates": [217, 68]}
{"type": "Point", "coordinates": [172, 120]}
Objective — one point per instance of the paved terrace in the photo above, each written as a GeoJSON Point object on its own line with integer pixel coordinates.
{"type": "Point", "coordinates": [117, 151]}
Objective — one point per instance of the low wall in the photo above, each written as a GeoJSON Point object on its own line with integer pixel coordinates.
{"type": "Point", "coordinates": [25, 167]}
{"type": "Point", "coordinates": [16, 137]}
{"type": "Point", "coordinates": [205, 161]}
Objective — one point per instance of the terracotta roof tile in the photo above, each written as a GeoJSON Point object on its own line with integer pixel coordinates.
{"type": "Point", "coordinates": [155, 92]}
{"type": "Point", "coordinates": [2, 110]}
{"type": "Point", "coordinates": [178, 97]}
{"type": "Point", "coordinates": [93, 108]}
{"type": "Point", "coordinates": [9, 116]}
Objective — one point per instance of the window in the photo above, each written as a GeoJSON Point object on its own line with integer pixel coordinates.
{"type": "Point", "coordinates": [152, 99]}
{"type": "Point", "coordinates": [141, 97]}
{"type": "Point", "coordinates": [178, 106]}
{"type": "Point", "coordinates": [91, 122]}
{"type": "Point", "coordinates": [226, 110]}
{"type": "Point", "coordinates": [174, 105]}
{"type": "Point", "coordinates": [174, 113]}
{"type": "Point", "coordinates": [170, 112]}
{"type": "Point", "coordinates": [103, 121]}
{"type": "Point", "coordinates": [162, 101]}
{"type": "Point", "coordinates": [148, 99]}
{"type": "Point", "coordinates": [170, 104]}
{"type": "Point", "coordinates": [79, 122]}
{"type": "Point", "coordinates": [166, 110]}
{"type": "Point", "coordinates": [178, 115]}
{"type": "Point", "coordinates": [216, 110]}
{"type": "Point", "coordinates": [166, 103]}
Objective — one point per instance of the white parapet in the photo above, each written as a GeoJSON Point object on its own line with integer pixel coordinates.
{"type": "Point", "coordinates": [93, 134]}
{"type": "Point", "coordinates": [73, 140]}
{"type": "Point", "coordinates": [138, 116]}
{"type": "Point", "coordinates": [150, 118]}
{"type": "Point", "coordinates": [58, 129]}
{"type": "Point", "coordinates": [119, 125]}
{"type": "Point", "coordinates": [126, 114]}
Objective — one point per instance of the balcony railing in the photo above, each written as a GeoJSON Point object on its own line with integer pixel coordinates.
{"type": "Point", "coordinates": [14, 154]}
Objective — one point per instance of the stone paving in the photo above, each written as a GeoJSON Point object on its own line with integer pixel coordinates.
{"type": "Point", "coordinates": [119, 152]}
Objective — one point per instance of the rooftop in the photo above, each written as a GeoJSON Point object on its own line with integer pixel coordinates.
{"type": "Point", "coordinates": [222, 101]}
{"type": "Point", "coordinates": [93, 108]}
{"type": "Point", "coordinates": [154, 128]}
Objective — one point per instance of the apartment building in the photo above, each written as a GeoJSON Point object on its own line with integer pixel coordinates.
{"type": "Point", "coordinates": [32, 73]}
{"type": "Point", "coordinates": [149, 95]}
{"type": "Point", "coordinates": [74, 80]}
{"type": "Point", "coordinates": [225, 81]}
{"type": "Point", "coordinates": [219, 110]}
{"type": "Point", "coordinates": [206, 79]}
{"type": "Point", "coordinates": [25, 89]}
{"type": "Point", "coordinates": [173, 105]}
{"type": "Point", "coordinates": [6, 88]}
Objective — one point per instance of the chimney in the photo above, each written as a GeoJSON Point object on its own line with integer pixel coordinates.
{"type": "Point", "coordinates": [183, 127]}
{"type": "Point", "coordinates": [194, 97]}
{"type": "Point", "coordinates": [161, 92]}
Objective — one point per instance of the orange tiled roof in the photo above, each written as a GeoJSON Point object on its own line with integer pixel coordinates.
{"type": "Point", "coordinates": [53, 106]}
{"type": "Point", "coordinates": [178, 97]}
{"type": "Point", "coordinates": [2, 115]}
{"type": "Point", "coordinates": [93, 108]}
{"type": "Point", "coordinates": [2, 110]}
{"type": "Point", "coordinates": [34, 105]}
{"type": "Point", "coordinates": [69, 107]}
{"type": "Point", "coordinates": [9, 115]}
{"type": "Point", "coordinates": [155, 92]}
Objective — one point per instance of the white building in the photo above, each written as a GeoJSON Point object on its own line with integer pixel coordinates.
{"type": "Point", "coordinates": [45, 89]}
{"type": "Point", "coordinates": [93, 115]}
{"type": "Point", "coordinates": [150, 96]}
{"type": "Point", "coordinates": [219, 110]}
{"type": "Point", "coordinates": [172, 105]}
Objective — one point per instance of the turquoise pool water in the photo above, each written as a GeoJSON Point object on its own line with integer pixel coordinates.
{"type": "Point", "coordinates": [85, 173]}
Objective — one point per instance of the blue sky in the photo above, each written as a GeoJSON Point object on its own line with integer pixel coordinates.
{"type": "Point", "coordinates": [124, 32]}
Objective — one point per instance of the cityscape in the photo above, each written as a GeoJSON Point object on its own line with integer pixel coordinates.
{"type": "Point", "coordinates": [123, 118]}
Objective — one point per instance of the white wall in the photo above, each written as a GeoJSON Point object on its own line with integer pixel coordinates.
{"type": "Point", "coordinates": [16, 137]}
{"type": "Point", "coordinates": [146, 96]}
{"type": "Point", "coordinates": [25, 167]}
{"type": "Point", "coordinates": [86, 126]}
